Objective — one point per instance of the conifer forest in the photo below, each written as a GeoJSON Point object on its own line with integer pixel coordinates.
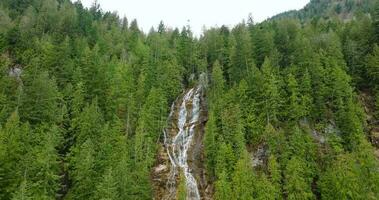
{"type": "Point", "coordinates": [94, 108]}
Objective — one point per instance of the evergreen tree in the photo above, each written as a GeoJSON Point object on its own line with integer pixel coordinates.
{"type": "Point", "coordinates": [297, 184]}
{"type": "Point", "coordinates": [306, 94]}
{"type": "Point", "coordinates": [39, 100]}
{"type": "Point", "coordinates": [240, 55]}
{"type": "Point", "coordinates": [88, 124]}
{"type": "Point", "coordinates": [217, 81]}
{"type": "Point", "coordinates": [372, 67]}
{"type": "Point", "coordinates": [271, 97]}
{"type": "Point", "coordinates": [376, 23]}
{"type": "Point", "coordinates": [149, 126]}
{"type": "Point", "coordinates": [23, 192]}
{"type": "Point", "coordinates": [107, 189]}
{"type": "Point", "coordinates": [225, 160]}
{"type": "Point", "coordinates": [346, 179]}
{"type": "Point", "coordinates": [275, 176]}
{"type": "Point", "coordinates": [294, 104]}
{"type": "Point", "coordinates": [84, 97]}
{"type": "Point", "coordinates": [211, 144]}
{"type": "Point", "coordinates": [243, 178]}
{"type": "Point", "coordinates": [14, 145]}
{"type": "Point", "coordinates": [82, 170]}
{"type": "Point", "coordinates": [232, 129]}
{"type": "Point", "coordinates": [223, 187]}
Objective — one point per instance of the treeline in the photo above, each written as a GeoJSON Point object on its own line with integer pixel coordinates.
{"type": "Point", "coordinates": [292, 89]}
{"type": "Point", "coordinates": [85, 94]}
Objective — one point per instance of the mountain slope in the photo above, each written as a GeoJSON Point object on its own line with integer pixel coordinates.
{"type": "Point", "coordinates": [343, 9]}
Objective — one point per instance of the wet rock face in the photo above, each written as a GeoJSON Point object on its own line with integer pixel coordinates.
{"type": "Point", "coordinates": [182, 148]}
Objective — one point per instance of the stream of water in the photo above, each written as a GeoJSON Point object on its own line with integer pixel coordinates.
{"type": "Point", "coordinates": [177, 147]}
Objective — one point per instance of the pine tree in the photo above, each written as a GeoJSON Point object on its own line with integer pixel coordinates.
{"type": "Point", "coordinates": [240, 55]}
{"type": "Point", "coordinates": [44, 170]}
{"type": "Point", "coordinates": [14, 142]}
{"type": "Point", "coordinates": [23, 192]}
{"type": "Point", "coordinates": [223, 188]}
{"type": "Point", "coordinates": [217, 81]}
{"type": "Point", "coordinates": [107, 189]}
{"type": "Point", "coordinates": [263, 44]}
{"type": "Point", "coordinates": [376, 23]}
{"type": "Point", "coordinates": [243, 178]}
{"type": "Point", "coordinates": [232, 128]}
{"type": "Point", "coordinates": [39, 101]}
{"type": "Point", "coordinates": [297, 184]}
{"type": "Point", "coordinates": [373, 67]}
{"type": "Point", "coordinates": [88, 124]}
{"type": "Point", "coordinates": [294, 104]}
{"type": "Point", "coordinates": [171, 80]}
{"type": "Point", "coordinates": [271, 97]}
{"type": "Point", "coordinates": [349, 177]}
{"type": "Point", "coordinates": [150, 124]}
{"type": "Point", "coordinates": [264, 189]}
{"type": "Point", "coordinates": [275, 176]}
{"type": "Point", "coordinates": [225, 160]}
{"type": "Point", "coordinates": [211, 145]}
{"type": "Point", "coordinates": [350, 125]}
{"type": "Point", "coordinates": [82, 170]}
{"type": "Point", "coordinates": [306, 94]}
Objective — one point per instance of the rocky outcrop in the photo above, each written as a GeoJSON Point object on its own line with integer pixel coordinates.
{"type": "Point", "coordinates": [185, 124]}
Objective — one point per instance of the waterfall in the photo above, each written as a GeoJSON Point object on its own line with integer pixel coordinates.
{"type": "Point", "coordinates": [177, 147]}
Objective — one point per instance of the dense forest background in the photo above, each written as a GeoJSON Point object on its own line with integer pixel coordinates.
{"type": "Point", "coordinates": [84, 96]}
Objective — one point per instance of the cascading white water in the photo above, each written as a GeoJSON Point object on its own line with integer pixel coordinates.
{"type": "Point", "coordinates": [177, 147]}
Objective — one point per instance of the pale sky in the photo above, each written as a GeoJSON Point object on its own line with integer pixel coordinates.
{"type": "Point", "coordinates": [196, 13]}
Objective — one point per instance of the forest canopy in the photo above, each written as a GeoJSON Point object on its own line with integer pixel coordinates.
{"type": "Point", "coordinates": [85, 95]}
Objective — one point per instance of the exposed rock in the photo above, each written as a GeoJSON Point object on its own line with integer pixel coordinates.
{"type": "Point", "coordinates": [377, 153]}
{"type": "Point", "coordinates": [160, 168]}
{"type": "Point", "coordinates": [375, 138]}
{"type": "Point", "coordinates": [318, 136]}
{"type": "Point", "coordinates": [260, 156]}
{"type": "Point", "coordinates": [15, 71]}
{"type": "Point", "coordinates": [161, 174]}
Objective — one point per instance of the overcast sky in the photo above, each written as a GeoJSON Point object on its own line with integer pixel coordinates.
{"type": "Point", "coordinates": [196, 13]}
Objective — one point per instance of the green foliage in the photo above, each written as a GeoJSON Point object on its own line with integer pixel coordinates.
{"type": "Point", "coordinates": [84, 96]}
{"type": "Point", "coordinates": [271, 95]}
{"type": "Point", "coordinates": [297, 184]}
{"type": "Point", "coordinates": [39, 100]}
{"type": "Point", "coordinates": [349, 177]}
{"type": "Point", "coordinates": [275, 176]}
{"type": "Point", "coordinates": [294, 104]}
{"type": "Point", "coordinates": [182, 193]}
{"type": "Point", "coordinates": [211, 144]}
{"type": "Point", "coordinates": [232, 129]}
{"type": "Point", "coordinates": [373, 67]}
{"type": "Point", "coordinates": [240, 56]}
{"type": "Point", "coordinates": [242, 179]}
{"type": "Point", "coordinates": [149, 126]}
{"type": "Point", "coordinates": [223, 187]}
{"type": "Point", "coordinates": [107, 189]}
{"type": "Point", "coordinates": [217, 82]}
{"type": "Point", "coordinates": [83, 171]}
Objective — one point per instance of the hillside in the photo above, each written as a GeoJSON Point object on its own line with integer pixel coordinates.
{"type": "Point", "coordinates": [327, 9]}
{"type": "Point", "coordinates": [91, 107]}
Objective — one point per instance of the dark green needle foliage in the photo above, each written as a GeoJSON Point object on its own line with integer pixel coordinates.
{"type": "Point", "coordinates": [292, 102]}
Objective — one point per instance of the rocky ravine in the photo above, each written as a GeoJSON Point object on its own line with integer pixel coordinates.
{"type": "Point", "coordinates": [181, 149]}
